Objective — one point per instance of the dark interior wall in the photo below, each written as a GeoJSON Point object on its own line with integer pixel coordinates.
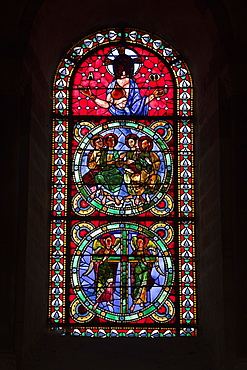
{"type": "Point", "coordinates": [203, 32]}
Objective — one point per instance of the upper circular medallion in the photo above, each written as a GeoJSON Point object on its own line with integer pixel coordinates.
{"type": "Point", "coordinates": [122, 168]}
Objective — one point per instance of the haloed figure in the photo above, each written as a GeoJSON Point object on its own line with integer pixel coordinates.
{"type": "Point", "coordinates": [147, 165]}
{"type": "Point", "coordinates": [105, 272]}
{"type": "Point", "coordinates": [141, 280]}
{"type": "Point", "coordinates": [131, 141]}
{"type": "Point", "coordinates": [109, 177]}
{"type": "Point", "coordinates": [123, 96]}
{"type": "Point", "coordinates": [93, 160]}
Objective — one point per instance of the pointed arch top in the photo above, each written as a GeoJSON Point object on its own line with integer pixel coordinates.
{"type": "Point", "coordinates": [180, 74]}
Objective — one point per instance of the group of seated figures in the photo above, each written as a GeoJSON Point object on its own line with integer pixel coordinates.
{"type": "Point", "coordinates": [116, 177]}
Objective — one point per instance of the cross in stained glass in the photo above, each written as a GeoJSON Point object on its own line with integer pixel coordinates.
{"type": "Point", "coordinates": [139, 257]}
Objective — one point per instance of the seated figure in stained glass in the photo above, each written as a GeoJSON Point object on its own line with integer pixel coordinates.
{"type": "Point", "coordinates": [123, 96]}
{"type": "Point", "coordinates": [147, 165]}
{"type": "Point", "coordinates": [131, 141]}
{"type": "Point", "coordinates": [93, 163]}
{"type": "Point", "coordinates": [118, 178]}
{"type": "Point", "coordinates": [109, 177]}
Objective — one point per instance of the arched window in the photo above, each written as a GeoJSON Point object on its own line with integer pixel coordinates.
{"type": "Point", "coordinates": [122, 225]}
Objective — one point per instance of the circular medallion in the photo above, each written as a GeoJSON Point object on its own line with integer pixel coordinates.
{"type": "Point", "coordinates": [122, 168]}
{"type": "Point", "coordinates": [122, 272]}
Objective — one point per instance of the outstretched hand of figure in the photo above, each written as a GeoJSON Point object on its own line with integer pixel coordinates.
{"type": "Point", "coordinates": [86, 91]}
{"type": "Point", "coordinates": [160, 92]}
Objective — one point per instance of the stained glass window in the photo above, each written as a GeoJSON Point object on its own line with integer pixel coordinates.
{"type": "Point", "coordinates": [122, 241]}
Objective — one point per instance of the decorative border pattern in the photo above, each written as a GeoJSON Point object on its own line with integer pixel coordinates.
{"type": "Point", "coordinates": [187, 273]}
{"type": "Point", "coordinates": [57, 272]}
{"type": "Point", "coordinates": [59, 168]}
{"type": "Point", "coordinates": [185, 169]}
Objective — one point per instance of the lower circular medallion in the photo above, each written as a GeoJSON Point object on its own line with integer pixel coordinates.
{"type": "Point", "coordinates": [121, 272]}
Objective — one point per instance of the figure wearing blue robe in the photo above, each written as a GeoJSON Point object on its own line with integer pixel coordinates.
{"type": "Point", "coordinates": [135, 103]}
